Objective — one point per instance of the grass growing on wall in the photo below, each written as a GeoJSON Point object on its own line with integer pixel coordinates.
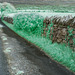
{"type": "Point", "coordinates": [30, 22]}
{"type": "Point", "coordinates": [59, 52]}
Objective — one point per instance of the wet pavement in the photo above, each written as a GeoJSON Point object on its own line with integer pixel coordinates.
{"type": "Point", "coordinates": [25, 59]}
{"type": "Point", "coordinates": [3, 61]}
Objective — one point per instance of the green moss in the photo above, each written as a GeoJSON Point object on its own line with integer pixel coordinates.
{"type": "Point", "coordinates": [29, 22]}
{"type": "Point", "coordinates": [74, 41]}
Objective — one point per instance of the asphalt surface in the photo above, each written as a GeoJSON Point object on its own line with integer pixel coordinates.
{"type": "Point", "coordinates": [30, 59]}
{"type": "Point", "coordinates": [41, 2]}
{"type": "Point", "coordinates": [3, 61]}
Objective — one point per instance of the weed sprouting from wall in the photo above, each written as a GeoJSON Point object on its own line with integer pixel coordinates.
{"type": "Point", "coordinates": [29, 22]}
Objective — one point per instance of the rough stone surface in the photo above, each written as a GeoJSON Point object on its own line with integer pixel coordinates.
{"type": "Point", "coordinates": [63, 30]}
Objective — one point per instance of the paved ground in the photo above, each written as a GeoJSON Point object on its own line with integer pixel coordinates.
{"type": "Point", "coordinates": [3, 61]}
{"type": "Point", "coordinates": [25, 59]}
{"type": "Point", "coordinates": [41, 2]}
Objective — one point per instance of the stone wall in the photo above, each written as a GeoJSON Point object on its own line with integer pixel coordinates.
{"type": "Point", "coordinates": [60, 29]}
